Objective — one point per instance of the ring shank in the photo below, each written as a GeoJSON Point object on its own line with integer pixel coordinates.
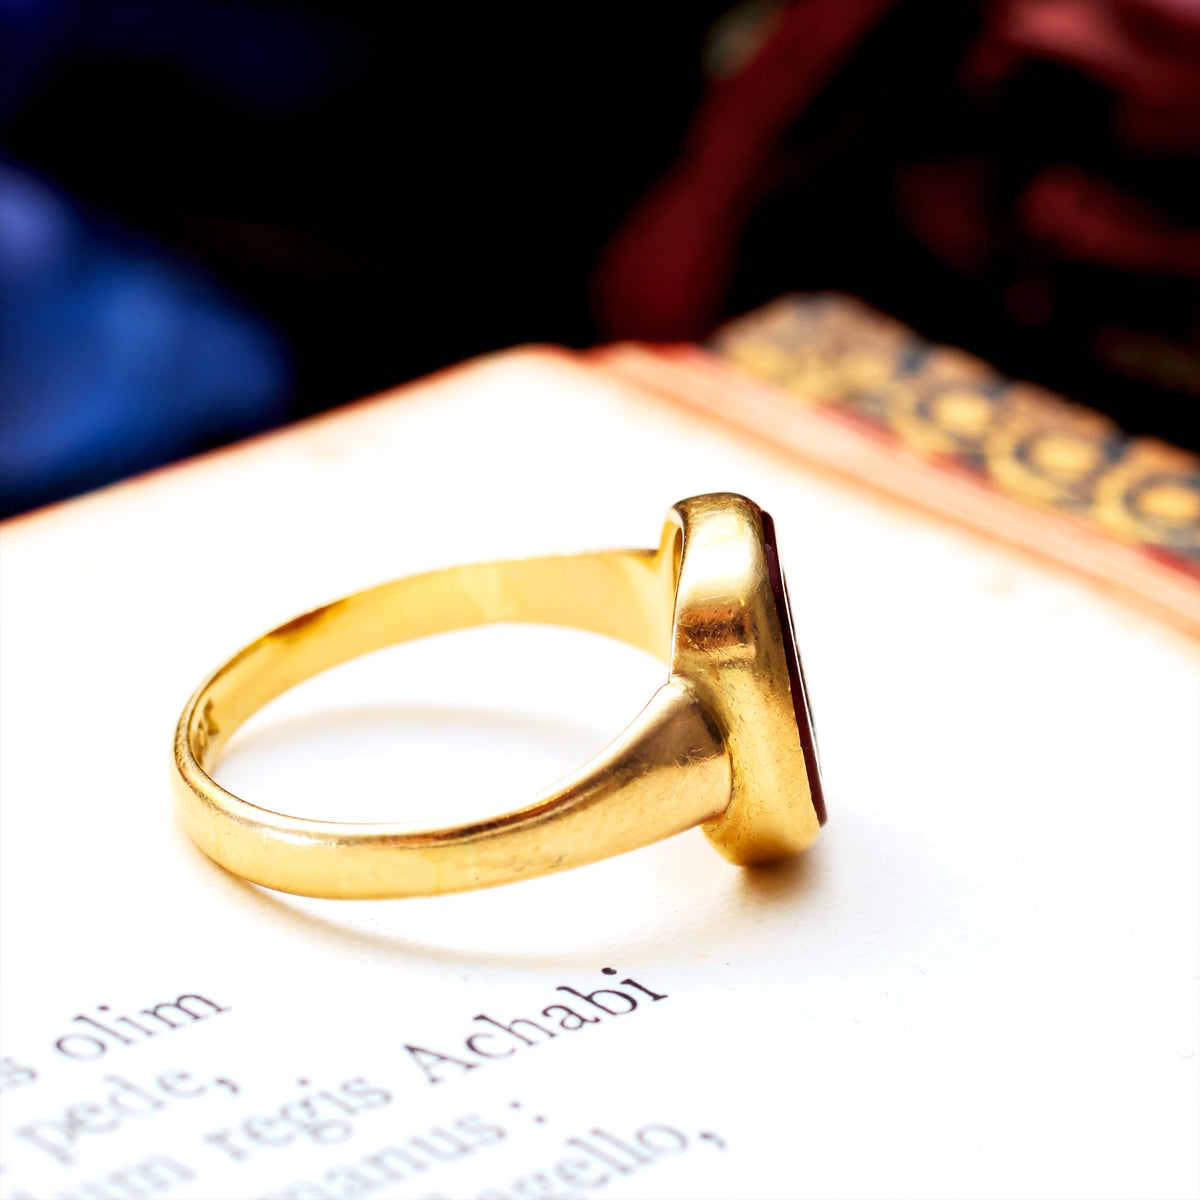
{"type": "Point", "coordinates": [667, 772]}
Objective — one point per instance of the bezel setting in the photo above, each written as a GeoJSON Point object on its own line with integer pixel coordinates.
{"type": "Point", "coordinates": [733, 644]}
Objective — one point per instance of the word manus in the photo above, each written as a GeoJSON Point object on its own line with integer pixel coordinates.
{"type": "Point", "coordinates": [400, 1162]}
{"type": "Point", "coordinates": [104, 1031]}
{"type": "Point", "coordinates": [585, 1163]}
{"type": "Point", "coordinates": [502, 1040]}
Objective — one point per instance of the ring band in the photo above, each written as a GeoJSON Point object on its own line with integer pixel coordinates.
{"type": "Point", "coordinates": [726, 743]}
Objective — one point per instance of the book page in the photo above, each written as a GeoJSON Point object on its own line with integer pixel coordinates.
{"type": "Point", "coordinates": [980, 982]}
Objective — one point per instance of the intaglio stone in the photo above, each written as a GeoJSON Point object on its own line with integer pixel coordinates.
{"type": "Point", "coordinates": [800, 706]}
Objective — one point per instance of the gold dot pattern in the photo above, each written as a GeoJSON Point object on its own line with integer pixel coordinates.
{"type": "Point", "coordinates": [1021, 439]}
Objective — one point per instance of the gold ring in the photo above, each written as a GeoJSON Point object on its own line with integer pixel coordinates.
{"type": "Point", "coordinates": [726, 743]}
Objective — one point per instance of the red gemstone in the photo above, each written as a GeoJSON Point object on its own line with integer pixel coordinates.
{"type": "Point", "coordinates": [804, 722]}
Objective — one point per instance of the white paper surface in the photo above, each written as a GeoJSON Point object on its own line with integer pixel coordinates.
{"type": "Point", "coordinates": [981, 982]}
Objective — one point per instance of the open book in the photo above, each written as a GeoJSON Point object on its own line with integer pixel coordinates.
{"type": "Point", "coordinates": [980, 982]}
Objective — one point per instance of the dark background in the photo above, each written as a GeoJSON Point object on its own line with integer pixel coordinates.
{"type": "Point", "coordinates": [220, 216]}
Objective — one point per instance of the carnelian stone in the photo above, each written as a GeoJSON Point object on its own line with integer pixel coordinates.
{"type": "Point", "coordinates": [800, 705]}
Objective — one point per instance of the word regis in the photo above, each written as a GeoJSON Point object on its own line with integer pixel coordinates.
{"type": "Point", "coordinates": [323, 1116]}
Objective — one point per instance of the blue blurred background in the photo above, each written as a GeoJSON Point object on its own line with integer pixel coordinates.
{"type": "Point", "coordinates": [217, 216]}
{"type": "Point", "coordinates": [115, 354]}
